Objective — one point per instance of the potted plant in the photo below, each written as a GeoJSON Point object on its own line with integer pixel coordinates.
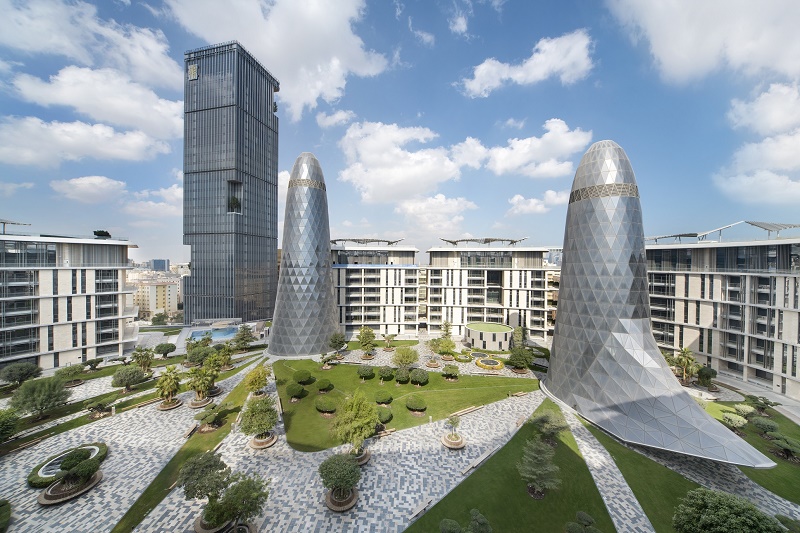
{"type": "Point", "coordinates": [450, 373]}
{"type": "Point", "coordinates": [388, 338]}
{"type": "Point", "coordinates": [355, 422]}
{"type": "Point", "coordinates": [167, 386]}
{"type": "Point", "coordinates": [143, 357]}
{"type": "Point", "coordinates": [200, 381]}
{"type": "Point", "coordinates": [259, 419]}
{"type": "Point", "coordinates": [453, 440]}
{"type": "Point", "coordinates": [432, 362]}
{"type": "Point", "coordinates": [256, 380]}
{"type": "Point", "coordinates": [340, 475]}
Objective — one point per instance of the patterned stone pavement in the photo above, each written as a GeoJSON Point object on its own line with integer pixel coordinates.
{"type": "Point", "coordinates": [387, 494]}
{"type": "Point", "coordinates": [622, 505]}
{"type": "Point", "coordinates": [141, 442]}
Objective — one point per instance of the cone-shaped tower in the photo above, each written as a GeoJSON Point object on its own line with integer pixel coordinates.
{"type": "Point", "coordinates": [305, 310]}
{"type": "Point", "coordinates": [605, 362]}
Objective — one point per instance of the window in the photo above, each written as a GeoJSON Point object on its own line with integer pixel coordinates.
{"type": "Point", "coordinates": [74, 282]}
{"type": "Point", "coordinates": [702, 285]}
{"type": "Point", "coordinates": [83, 281]}
{"type": "Point", "coordinates": [710, 341]}
{"type": "Point", "coordinates": [49, 338]}
{"type": "Point", "coordinates": [55, 309]}
{"type": "Point", "coordinates": [701, 342]}
{"type": "Point", "coordinates": [55, 360]}
{"type": "Point", "coordinates": [697, 314]}
{"type": "Point", "coordinates": [55, 281]}
{"type": "Point", "coordinates": [74, 335]}
{"type": "Point", "coordinates": [69, 308]}
{"type": "Point", "coordinates": [88, 307]}
{"type": "Point", "coordinates": [686, 285]}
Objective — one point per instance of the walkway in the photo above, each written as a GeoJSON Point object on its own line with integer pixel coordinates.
{"type": "Point", "coordinates": [388, 492]}
{"type": "Point", "coordinates": [141, 442]}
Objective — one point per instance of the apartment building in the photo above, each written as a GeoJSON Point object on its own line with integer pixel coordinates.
{"type": "Point", "coordinates": [155, 296]}
{"type": "Point", "coordinates": [734, 304]}
{"type": "Point", "coordinates": [62, 299]}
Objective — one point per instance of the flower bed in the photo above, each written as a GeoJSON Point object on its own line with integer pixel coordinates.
{"type": "Point", "coordinates": [488, 363]}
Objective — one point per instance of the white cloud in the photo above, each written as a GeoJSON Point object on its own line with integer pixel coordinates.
{"type": "Point", "coordinates": [567, 57]}
{"type": "Point", "coordinates": [470, 153]}
{"type": "Point", "coordinates": [780, 152]}
{"type": "Point", "coordinates": [334, 119]}
{"type": "Point", "coordinates": [540, 157]}
{"type": "Point", "coordinates": [514, 123]}
{"type": "Point", "coordinates": [435, 214]}
{"type": "Point", "coordinates": [9, 189]}
{"type": "Point", "coordinates": [382, 170]}
{"type": "Point", "coordinates": [776, 110]}
{"type": "Point", "coordinates": [158, 203]}
{"type": "Point", "coordinates": [31, 141]}
{"type": "Point", "coordinates": [177, 174]}
{"type": "Point", "coordinates": [73, 30]}
{"type": "Point", "coordinates": [689, 39]}
{"type": "Point", "coordinates": [762, 187]}
{"type": "Point", "coordinates": [527, 206]}
{"type": "Point", "coordinates": [283, 189]}
{"type": "Point", "coordinates": [324, 49]}
{"type": "Point", "coordinates": [90, 189]}
{"type": "Point", "coordinates": [106, 95]}
{"type": "Point", "coordinates": [428, 39]}
{"type": "Point", "coordinates": [458, 24]}
{"type": "Point", "coordinates": [398, 8]}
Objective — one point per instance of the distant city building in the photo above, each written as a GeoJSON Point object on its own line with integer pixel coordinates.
{"type": "Point", "coordinates": [230, 215]}
{"type": "Point", "coordinates": [377, 285]}
{"type": "Point", "coordinates": [305, 311]}
{"type": "Point", "coordinates": [181, 269]}
{"type": "Point", "coordinates": [605, 362]}
{"type": "Point", "coordinates": [736, 305]}
{"type": "Point", "coordinates": [156, 296]}
{"type": "Point", "coordinates": [62, 299]}
{"type": "Point", "coordinates": [160, 265]}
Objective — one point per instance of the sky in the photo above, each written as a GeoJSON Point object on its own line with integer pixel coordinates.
{"type": "Point", "coordinates": [431, 119]}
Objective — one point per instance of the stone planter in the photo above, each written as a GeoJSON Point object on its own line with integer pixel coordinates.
{"type": "Point", "coordinates": [388, 349]}
{"type": "Point", "coordinates": [195, 404]}
{"type": "Point", "coordinates": [456, 444]}
{"type": "Point", "coordinates": [54, 494]}
{"type": "Point", "coordinates": [340, 506]}
{"type": "Point", "coordinates": [200, 526]}
{"type": "Point", "coordinates": [363, 458]}
{"type": "Point", "coordinates": [216, 391]}
{"type": "Point", "coordinates": [73, 383]}
{"type": "Point", "coordinates": [448, 358]}
{"type": "Point", "coordinates": [367, 357]}
{"type": "Point", "coordinates": [520, 370]}
{"type": "Point", "coordinates": [261, 444]}
{"type": "Point", "coordinates": [416, 413]}
{"type": "Point", "coordinates": [339, 357]}
{"type": "Point", "coordinates": [432, 364]}
{"type": "Point", "coordinates": [164, 406]}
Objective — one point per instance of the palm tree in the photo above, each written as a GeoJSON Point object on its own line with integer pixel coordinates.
{"type": "Point", "coordinates": [168, 384]}
{"type": "Point", "coordinates": [686, 362]}
{"type": "Point", "coordinates": [201, 380]}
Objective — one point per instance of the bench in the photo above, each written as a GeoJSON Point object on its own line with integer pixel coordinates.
{"type": "Point", "coordinates": [148, 402]}
{"type": "Point", "coordinates": [421, 507]}
{"type": "Point", "coordinates": [31, 443]}
{"type": "Point", "coordinates": [485, 373]}
{"type": "Point", "coordinates": [351, 363]}
{"type": "Point", "coordinates": [467, 411]}
{"type": "Point", "coordinates": [521, 420]}
{"type": "Point", "coordinates": [479, 460]}
{"type": "Point", "coordinates": [385, 432]}
{"type": "Point", "coordinates": [190, 431]}
{"type": "Point", "coordinates": [519, 394]}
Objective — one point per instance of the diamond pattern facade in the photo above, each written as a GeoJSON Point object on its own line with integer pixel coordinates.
{"type": "Point", "coordinates": [305, 309]}
{"type": "Point", "coordinates": [605, 362]}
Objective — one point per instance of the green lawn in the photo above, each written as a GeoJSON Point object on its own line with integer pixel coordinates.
{"type": "Point", "coordinates": [380, 343]}
{"type": "Point", "coordinates": [166, 330]}
{"type": "Point", "coordinates": [782, 480]}
{"type": "Point", "coordinates": [197, 444]}
{"type": "Point", "coordinates": [307, 431]}
{"type": "Point", "coordinates": [489, 327]}
{"type": "Point", "coordinates": [499, 493]}
{"type": "Point", "coordinates": [657, 488]}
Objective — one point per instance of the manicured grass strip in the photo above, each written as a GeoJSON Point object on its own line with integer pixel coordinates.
{"type": "Point", "coordinates": [380, 344]}
{"type": "Point", "coordinates": [307, 431]}
{"type": "Point", "coordinates": [489, 327]}
{"type": "Point", "coordinates": [498, 492]}
{"type": "Point", "coordinates": [782, 480]}
{"type": "Point", "coordinates": [657, 488]}
{"type": "Point", "coordinates": [83, 420]}
{"type": "Point", "coordinates": [198, 443]}
{"type": "Point", "coordinates": [162, 329]}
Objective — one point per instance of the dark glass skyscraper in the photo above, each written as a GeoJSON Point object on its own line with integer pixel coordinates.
{"type": "Point", "coordinates": [230, 184]}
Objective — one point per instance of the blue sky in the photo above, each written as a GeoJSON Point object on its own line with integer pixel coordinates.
{"type": "Point", "coordinates": [431, 119]}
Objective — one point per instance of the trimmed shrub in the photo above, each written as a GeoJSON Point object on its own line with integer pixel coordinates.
{"type": "Point", "coordinates": [450, 371]}
{"type": "Point", "coordinates": [37, 482]}
{"type": "Point", "coordinates": [383, 396]}
{"type": "Point", "coordinates": [74, 457]}
{"type": "Point", "coordinates": [384, 415]}
{"type": "Point", "coordinates": [199, 355]}
{"type": "Point", "coordinates": [416, 402]}
{"type": "Point", "coordinates": [742, 409]}
{"type": "Point", "coordinates": [81, 472]}
{"type": "Point", "coordinates": [324, 385]}
{"type": "Point", "coordinates": [302, 376]}
{"type": "Point", "coordinates": [127, 376]}
{"type": "Point", "coordinates": [764, 425]}
{"type": "Point", "coordinates": [325, 404]}
{"type": "Point", "coordinates": [734, 421]}
{"type": "Point", "coordinates": [366, 372]}
{"type": "Point", "coordinates": [295, 390]}
{"type": "Point", "coordinates": [93, 364]}
{"type": "Point", "coordinates": [419, 376]}
{"type": "Point", "coordinates": [386, 373]}
{"type": "Point", "coordinates": [402, 375]}
{"type": "Point", "coordinates": [5, 515]}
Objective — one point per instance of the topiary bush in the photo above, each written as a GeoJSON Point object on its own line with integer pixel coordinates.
{"type": "Point", "coordinates": [386, 373]}
{"type": "Point", "coordinates": [764, 425]}
{"type": "Point", "coordinates": [419, 377]}
{"type": "Point", "coordinates": [384, 415]}
{"type": "Point", "coordinates": [302, 376]}
{"type": "Point", "coordinates": [402, 375]}
{"type": "Point", "coordinates": [450, 371]}
{"type": "Point", "coordinates": [416, 402]}
{"type": "Point", "coordinates": [37, 482]}
{"type": "Point", "coordinates": [366, 372]}
{"type": "Point", "coordinates": [325, 404]}
{"type": "Point", "coordinates": [74, 457]}
{"type": "Point", "coordinates": [5, 515]}
{"type": "Point", "coordinates": [383, 396]}
{"type": "Point", "coordinates": [295, 390]}
{"type": "Point", "coordinates": [742, 409]}
{"type": "Point", "coordinates": [82, 472]}
{"type": "Point", "coordinates": [324, 385]}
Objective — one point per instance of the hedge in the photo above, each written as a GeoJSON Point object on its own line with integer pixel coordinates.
{"type": "Point", "coordinates": [37, 482]}
{"type": "Point", "coordinates": [402, 375]}
{"type": "Point", "coordinates": [416, 403]}
{"type": "Point", "coordinates": [384, 415]}
{"type": "Point", "coordinates": [383, 396]}
{"type": "Point", "coordinates": [324, 385]}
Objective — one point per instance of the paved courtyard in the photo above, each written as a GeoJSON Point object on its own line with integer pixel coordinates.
{"type": "Point", "coordinates": [141, 442]}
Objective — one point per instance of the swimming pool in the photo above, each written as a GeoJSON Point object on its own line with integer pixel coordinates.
{"type": "Point", "coordinates": [222, 334]}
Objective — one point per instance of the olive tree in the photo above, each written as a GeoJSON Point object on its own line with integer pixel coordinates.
{"type": "Point", "coordinates": [340, 474]}
{"type": "Point", "coordinates": [164, 349]}
{"type": "Point", "coordinates": [8, 423]}
{"type": "Point", "coordinates": [20, 372]}
{"type": "Point", "coordinates": [127, 376]}
{"type": "Point", "coordinates": [39, 395]}
{"type": "Point", "coordinates": [366, 339]}
{"type": "Point", "coordinates": [405, 356]}
{"type": "Point", "coordinates": [259, 417]}
{"type": "Point", "coordinates": [355, 421]}
{"type": "Point", "coordinates": [711, 511]}
{"type": "Point", "coordinates": [243, 338]}
{"type": "Point", "coordinates": [242, 501]}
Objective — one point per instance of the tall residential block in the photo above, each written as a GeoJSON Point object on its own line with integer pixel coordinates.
{"type": "Point", "coordinates": [230, 185]}
{"type": "Point", "coordinates": [62, 300]}
{"type": "Point", "coordinates": [605, 362]}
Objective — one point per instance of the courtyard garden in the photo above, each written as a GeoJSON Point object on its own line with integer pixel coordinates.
{"type": "Point", "coordinates": [307, 430]}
